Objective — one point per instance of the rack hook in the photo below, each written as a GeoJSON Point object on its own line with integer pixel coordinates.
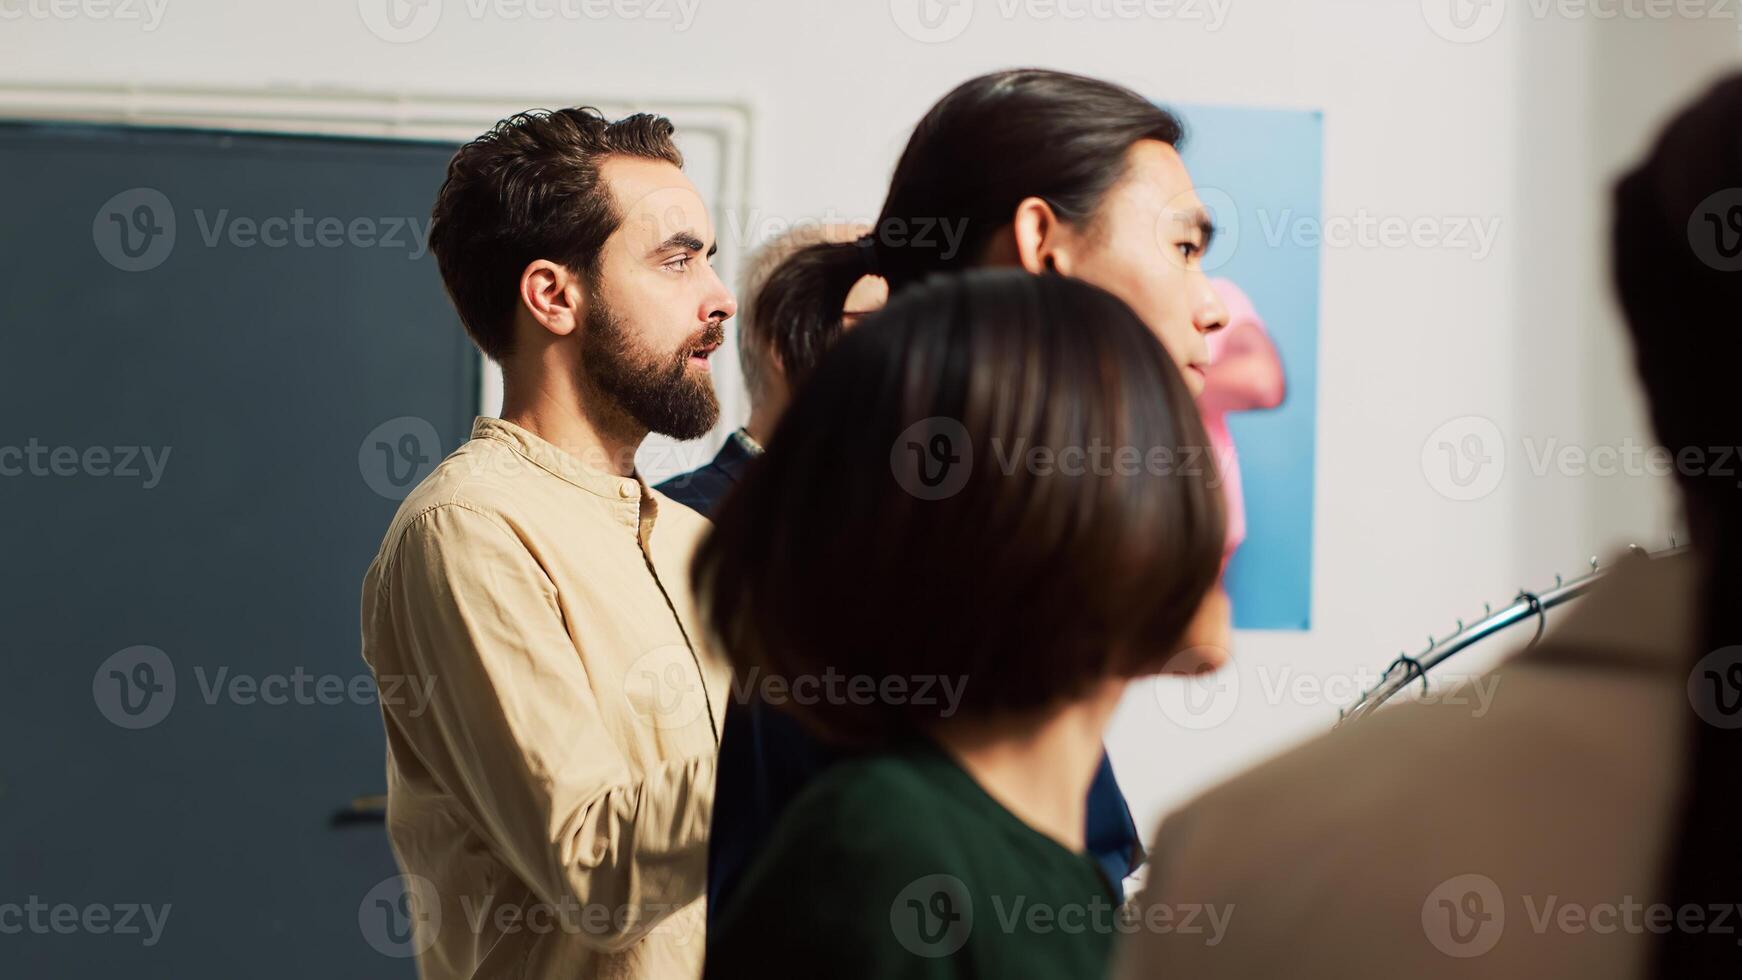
{"type": "Point", "coordinates": [1525, 595]}
{"type": "Point", "coordinates": [1412, 667]}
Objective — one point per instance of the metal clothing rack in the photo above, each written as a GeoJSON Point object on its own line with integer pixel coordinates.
{"type": "Point", "coordinates": [1405, 670]}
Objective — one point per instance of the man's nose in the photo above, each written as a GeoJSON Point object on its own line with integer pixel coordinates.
{"type": "Point", "coordinates": [720, 303]}
{"type": "Point", "coordinates": [1211, 313]}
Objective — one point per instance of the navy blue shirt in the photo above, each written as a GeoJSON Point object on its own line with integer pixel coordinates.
{"type": "Point", "coordinates": [703, 488]}
{"type": "Point", "coordinates": [766, 757]}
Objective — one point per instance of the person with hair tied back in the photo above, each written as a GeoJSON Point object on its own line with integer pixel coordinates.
{"type": "Point", "coordinates": [999, 614]}
{"type": "Point", "coordinates": [1035, 170]}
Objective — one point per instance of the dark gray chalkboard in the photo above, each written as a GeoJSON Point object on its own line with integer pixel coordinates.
{"type": "Point", "coordinates": [265, 372]}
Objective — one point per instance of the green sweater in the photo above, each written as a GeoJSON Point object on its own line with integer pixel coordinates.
{"type": "Point", "coordinates": [899, 865]}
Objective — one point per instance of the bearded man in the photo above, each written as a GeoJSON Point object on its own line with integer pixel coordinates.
{"type": "Point", "coordinates": [550, 804]}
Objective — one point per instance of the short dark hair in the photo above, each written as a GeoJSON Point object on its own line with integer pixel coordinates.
{"type": "Point", "coordinates": [1033, 585]}
{"type": "Point", "coordinates": [530, 189]}
{"type": "Point", "coordinates": [986, 146]}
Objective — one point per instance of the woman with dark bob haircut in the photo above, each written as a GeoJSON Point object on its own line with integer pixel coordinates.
{"type": "Point", "coordinates": [986, 512]}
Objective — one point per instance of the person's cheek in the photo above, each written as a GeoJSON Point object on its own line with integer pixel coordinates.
{"type": "Point", "coordinates": [1210, 636]}
{"type": "Point", "coordinates": [1178, 340]}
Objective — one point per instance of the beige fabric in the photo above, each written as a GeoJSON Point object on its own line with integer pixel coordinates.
{"type": "Point", "coordinates": [1339, 859]}
{"type": "Point", "coordinates": [555, 790]}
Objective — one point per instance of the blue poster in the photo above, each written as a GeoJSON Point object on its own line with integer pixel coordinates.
{"type": "Point", "coordinates": [1259, 172]}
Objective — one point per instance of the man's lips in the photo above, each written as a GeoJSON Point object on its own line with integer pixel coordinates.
{"type": "Point", "coordinates": [704, 344]}
{"type": "Point", "coordinates": [699, 355]}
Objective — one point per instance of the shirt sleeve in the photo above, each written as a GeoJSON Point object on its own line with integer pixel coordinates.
{"type": "Point", "coordinates": [512, 729]}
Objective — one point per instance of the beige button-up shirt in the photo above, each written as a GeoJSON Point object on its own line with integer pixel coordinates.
{"type": "Point", "coordinates": [549, 798]}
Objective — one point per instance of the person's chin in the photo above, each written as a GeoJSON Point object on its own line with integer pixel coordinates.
{"type": "Point", "coordinates": [1196, 379]}
{"type": "Point", "coordinates": [1204, 659]}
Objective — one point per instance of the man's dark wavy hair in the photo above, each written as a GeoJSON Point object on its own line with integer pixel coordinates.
{"type": "Point", "coordinates": [531, 189]}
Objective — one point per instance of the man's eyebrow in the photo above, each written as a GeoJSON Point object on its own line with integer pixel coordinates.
{"type": "Point", "coordinates": [1206, 226]}
{"type": "Point", "coordinates": [685, 240]}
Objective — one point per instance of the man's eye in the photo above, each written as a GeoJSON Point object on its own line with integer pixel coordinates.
{"type": "Point", "coordinates": [1189, 249]}
{"type": "Point", "coordinates": [679, 264]}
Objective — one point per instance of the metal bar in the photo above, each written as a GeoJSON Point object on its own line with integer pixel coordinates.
{"type": "Point", "coordinates": [1401, 674]}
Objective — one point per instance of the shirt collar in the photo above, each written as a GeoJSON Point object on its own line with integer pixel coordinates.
{"type": "Point", "coordinates": [747, 442]}
{"type": "Point", "coordinates": [559, 462]}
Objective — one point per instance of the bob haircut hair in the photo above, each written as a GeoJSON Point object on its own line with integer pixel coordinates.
{"type": "Point", "coordinates": [999, 479]}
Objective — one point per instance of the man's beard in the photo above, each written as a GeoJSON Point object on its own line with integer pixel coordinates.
{"type": "Point", "coordinates": [659, 393]}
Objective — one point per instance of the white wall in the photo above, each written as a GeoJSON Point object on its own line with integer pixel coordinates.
{"type": "Point", "coordinates": [1526, 126]}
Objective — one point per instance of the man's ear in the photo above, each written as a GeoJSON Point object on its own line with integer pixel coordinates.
{"type": "Point", "coordinates": [554, 295]}
{"type": "Point", "coordinates": [1043, 241]}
